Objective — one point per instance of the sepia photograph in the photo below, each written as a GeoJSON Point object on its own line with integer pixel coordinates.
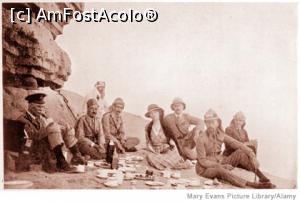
{"type": "Point", "coordinates": [150, 96]}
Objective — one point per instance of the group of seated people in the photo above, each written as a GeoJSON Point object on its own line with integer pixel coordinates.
{"type": "Point", "coordinates": [170, 141]}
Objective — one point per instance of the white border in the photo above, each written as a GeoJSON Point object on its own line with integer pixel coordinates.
{"type": "Point", "coordinates": [132, 195]}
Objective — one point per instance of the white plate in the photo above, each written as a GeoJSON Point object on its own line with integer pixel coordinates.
{"type": "Point", "coordinates": [107, 171]}
{"type": "Point", "coordinates": [129, 176]}
{"type": "Point", "coordinates": [195, 183]}
{"type": "Point", "coordinates": [179, 181]}
{"type": "Point", "coordinates": [17, 184]}
{"type": "Point", "coordinates": [154, 183]}
{"type": "Point", "coordinates": [176, 175]}
{"type": "Point", "coordinates": [112, 183]}
{"type": "Point", "coordinates": [209, 182]}
{"type": "Point", "coordinates": [137, 158]}
{"type": "Point", "coordinates": [127, 169]}
{"type": "Point", "coordinates": [102, 176]}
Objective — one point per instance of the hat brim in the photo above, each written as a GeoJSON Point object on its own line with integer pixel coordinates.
{"type": "Point", "coordinates": [99, 85]}
{"type": "Point", "coordinates": [211, 119]}
{"type": "Point", "coordinates": [239, 118]}
{"type": "Point", "coordinates": [154, 109]}
{"type": "Point", "coordinates": [40, 94]}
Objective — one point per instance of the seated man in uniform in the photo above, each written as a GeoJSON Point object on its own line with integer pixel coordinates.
{"type": "Point", "coordinates": [212, 164]}
{"type": "Point", "coordinates": [89, 132]}
{"type": "Point", "coordinates": [113, 128]}
{"type": "Point", "coordinates": [237, 131]}
{"type": "Point", "coordinates": [177, 127]}
{"type": "Point", "coordinates": [47, 137]}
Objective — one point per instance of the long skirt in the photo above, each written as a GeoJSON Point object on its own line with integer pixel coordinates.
{"type": "Point", "coordinates": [170, 159]}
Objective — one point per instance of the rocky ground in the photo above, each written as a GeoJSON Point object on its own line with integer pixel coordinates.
{"type": "Point", "coordinates": [88, 180]}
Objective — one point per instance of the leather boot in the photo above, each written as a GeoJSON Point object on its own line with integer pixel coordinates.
{"type": "Point", "coordinates": [262, 177]}
{"type": "Point", "coordinates": [77, 157]}
{"type": "Point", "coordinates": [62, 164]}
{"type": "Point", "coordinates": [265, 185]}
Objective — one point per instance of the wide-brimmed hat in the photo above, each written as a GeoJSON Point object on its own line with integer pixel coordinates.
{"type": "Point", "coordinates": [91, 102]}
{"type": "Point", "coordinates": [211, 115]}
{"type": "Point", "coordinates": [239, 116]}
{"type": "Point", "coordinates": [178, 100]}
{"type": "Point", "coordinates": [151, 108]}
{"type": "Point", "coordinates": [36, 96]}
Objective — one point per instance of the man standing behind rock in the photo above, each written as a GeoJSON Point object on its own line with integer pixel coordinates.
{"type": "Point", "coordinates": [89, 132]}
{"type": "Point", "coordinates": [177, 127]}
{"type": "Point", "coordinates": [98, 93]}
{"type": "Point", "coordinates": [113, 128]}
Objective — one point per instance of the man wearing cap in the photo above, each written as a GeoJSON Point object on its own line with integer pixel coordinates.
{"type": "Point", "coordinates": [212, 164]}
{"type": "Point", "coordinates": [89, 132]}
{"type": "Point", "coordinates": [47, 136]}
{"type": "Point", "coordinates": [237, 130]}
{"type": "Point", "coordinates": [177, 127]}
{"type": "Point", "coordinates": [98, 93]}
{"type": "Point", "coordinates": [113, 128]}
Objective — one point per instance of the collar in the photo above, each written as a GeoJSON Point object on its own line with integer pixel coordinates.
{"type": "Point", "coordinates": [31, 115]}
{"type": "Point", "coordinates": [213, 134]}
{"type": "Point", "coordinates": [178, 116]}
{"type": "Point", "coordinates": [114, 115]}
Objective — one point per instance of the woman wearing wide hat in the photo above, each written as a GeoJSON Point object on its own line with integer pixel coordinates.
{"type": "Point", "coordinates": [162, 153]}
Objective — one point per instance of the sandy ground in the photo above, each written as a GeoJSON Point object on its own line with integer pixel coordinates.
{"type": "Point", "coordinates": [88, 180]}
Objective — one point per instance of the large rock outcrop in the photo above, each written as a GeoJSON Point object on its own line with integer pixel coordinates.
{"type": "Point", "coordinates": [31, 50]}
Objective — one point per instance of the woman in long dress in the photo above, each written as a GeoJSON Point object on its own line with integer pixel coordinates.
{"type": "Point", "coordinates": [162, 152]}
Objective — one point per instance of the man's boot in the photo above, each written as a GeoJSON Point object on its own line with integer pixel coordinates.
{"type": "Point", "coordinates": [132, 149]}
{"type": "Point", "coordinates": [62, 164]}
{"type": "Point", "coordinates": [77, 157]}
{"type": "Point", "coordinates": [262, 177]}
{"type": "Point", "coordinates": [260, 185]}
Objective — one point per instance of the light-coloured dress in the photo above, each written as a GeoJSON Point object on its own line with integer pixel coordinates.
{"type": "Point", "coordinates": [164, 156]}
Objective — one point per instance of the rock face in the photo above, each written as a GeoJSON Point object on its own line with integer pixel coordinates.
{"type": "Point", "coordinates": [31, 50]}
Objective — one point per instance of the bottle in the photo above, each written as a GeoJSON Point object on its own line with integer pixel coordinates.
{"type": "Point", "coordinates": [110, 151]}
{"type": "Point", "coordinates": [115, 160]}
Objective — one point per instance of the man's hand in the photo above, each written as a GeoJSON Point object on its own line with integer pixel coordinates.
{"type": "Point", "coordinates": [120, 147]}
{"type": "Point", "coordinates": [123, 141]}
{"type": "Point", "coordinates": [122, 150]}
{"type": "Point", "coordinates": [100, 148]}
